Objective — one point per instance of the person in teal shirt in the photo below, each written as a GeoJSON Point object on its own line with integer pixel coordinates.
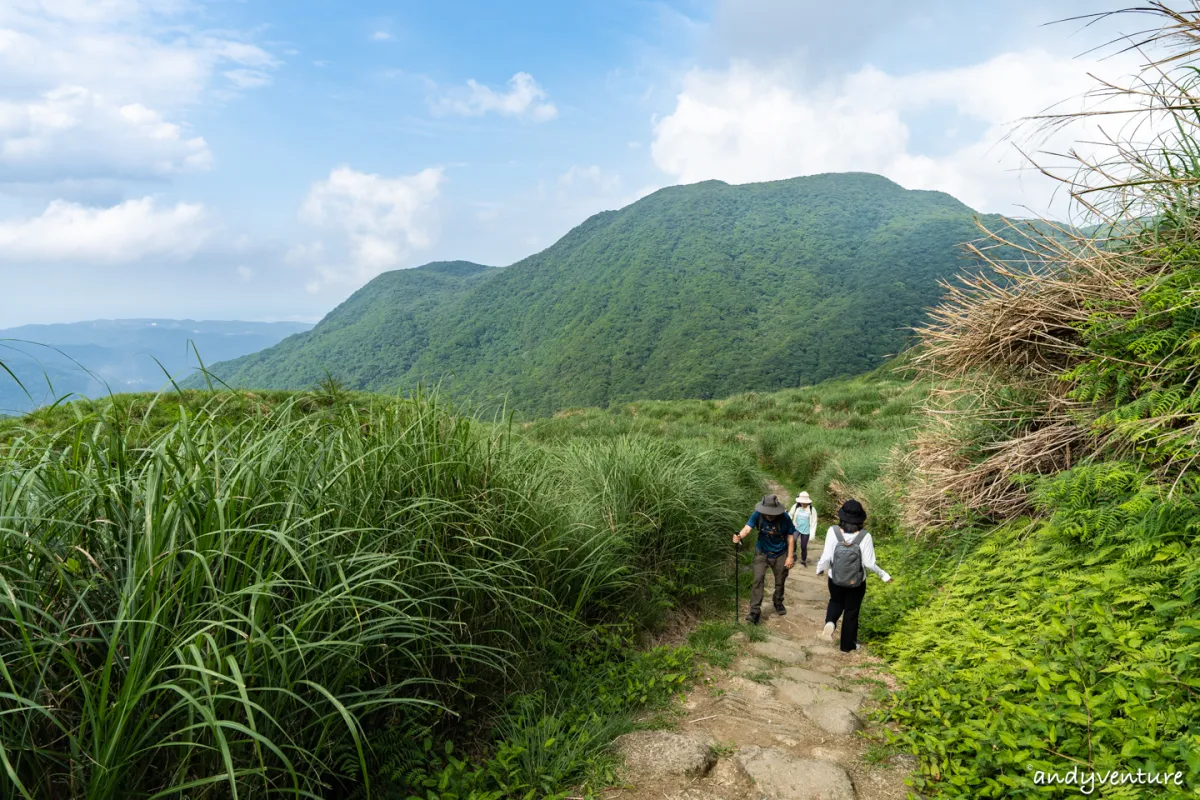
{"type": "Point", "coordinates": [804, 516]}
{"type": "Point", "coordinates": [774, 549]}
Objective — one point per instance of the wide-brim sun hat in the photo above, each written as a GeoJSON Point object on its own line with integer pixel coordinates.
{"type": "Point", "coordinates": [852, 512]}
{"type": "Point", "coordinates": [804, 498]}
{"type": "Point", "coordinates": [770, 505]}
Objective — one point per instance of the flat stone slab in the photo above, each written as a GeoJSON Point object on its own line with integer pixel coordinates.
{"type": "Point", "coordinates": [751, 664]}
{"type": "Point", "coordinates": [757, 692]}
{"type": "Point", "coordinates": [779, 650]}
{"type": "Point", "coordinates": [654, 755]}
{"type": "Point", "coordinates": [803, 675]}
{"type": "Point", "coordinates": [833, 718]}
{"type": "Point", "coordinates": [781, 776]}
{"type": "Point", "coordinates": [807, 694]}
{"type": "Point", "coordinates": [831, 755]}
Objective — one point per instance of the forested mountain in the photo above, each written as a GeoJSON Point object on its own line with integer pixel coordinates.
{"type": "Point", "coordinates": [372, 340]}
{"type": "Point", "coordinates": [122, 355]}
{"type": "Point", "coordinates": [697, 291]}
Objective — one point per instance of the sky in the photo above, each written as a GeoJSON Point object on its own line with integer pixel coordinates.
{"type": "Point", "coordinates": [263, 159]}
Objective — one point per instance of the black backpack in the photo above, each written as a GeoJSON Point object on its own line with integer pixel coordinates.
{"type": "Point", "coordinates": [847, 569]}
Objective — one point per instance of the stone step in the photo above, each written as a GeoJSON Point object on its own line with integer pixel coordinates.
{"type": "Point", "coordinates": [799, 695]}
{"type": "Point", "coordinates": [778, 775]}
{"type": "Point", "coordinates": [780, 649]}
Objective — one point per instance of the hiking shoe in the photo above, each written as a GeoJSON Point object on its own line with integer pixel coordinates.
{"type": "Point", "coordinates": [752, 619]}
{"type": "Point", "coordinates": [827, 632]}
{"type": "Point", "coordinates": [780, 609]}
{"type": "Point", "coordinates": [804, 564]}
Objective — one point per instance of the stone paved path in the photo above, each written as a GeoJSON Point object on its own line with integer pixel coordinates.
{"type": "Point", "coordinates": [784, 722]}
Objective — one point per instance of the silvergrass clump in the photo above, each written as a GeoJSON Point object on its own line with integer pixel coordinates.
{"type": "Point", "coordinates": [833, 440]}
{"type": "Point", "coordinates": [1077, 340]}
{"type": "Point", "coordinates": [228, 604]}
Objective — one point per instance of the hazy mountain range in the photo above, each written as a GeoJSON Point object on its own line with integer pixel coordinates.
{"type": "Point", "coordinates": [123, 355]}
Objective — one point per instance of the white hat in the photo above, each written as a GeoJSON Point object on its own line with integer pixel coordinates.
{"type": "Point", "coordinates": [804, 498]}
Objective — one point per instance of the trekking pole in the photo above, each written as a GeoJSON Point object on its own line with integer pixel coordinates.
{"type": "Point", "coordinates": [737, 583]}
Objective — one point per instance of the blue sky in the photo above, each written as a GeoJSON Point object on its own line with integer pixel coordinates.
{"type": "Point", "coordinates": [262, 159]}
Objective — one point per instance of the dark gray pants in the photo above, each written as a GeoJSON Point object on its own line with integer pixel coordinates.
{"type": "Point", "coordinates": [761, 563]}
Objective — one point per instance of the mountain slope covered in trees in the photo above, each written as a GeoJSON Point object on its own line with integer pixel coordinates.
{"type": "Point", "coordinates": [697, 291]}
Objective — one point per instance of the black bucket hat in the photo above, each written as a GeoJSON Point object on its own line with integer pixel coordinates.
{"type": "Point", "coordinates": [852, 512]}
{"type": "Point", "coordinates": [770, 505]}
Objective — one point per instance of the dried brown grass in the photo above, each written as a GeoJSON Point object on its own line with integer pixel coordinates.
{"type": "Point", "coordinates": [1001, 343]}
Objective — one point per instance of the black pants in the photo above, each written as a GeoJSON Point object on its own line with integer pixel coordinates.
{"type": "Point", "coordinates": [847, 601]}
{"type": "Point", "coordinates": [804, 547]}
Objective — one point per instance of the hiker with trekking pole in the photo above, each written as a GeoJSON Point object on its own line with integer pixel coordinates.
{"type": "Point", "coordinates": [775, 549]}
{"type": "Point", "coordinates": [849, 553]}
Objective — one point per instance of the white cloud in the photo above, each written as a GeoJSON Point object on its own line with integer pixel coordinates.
{"type": "Point", "coordinates": [245, 273]}
{"type": "Point", "coordinates": [524, 98]}
{"type": "Point", "coordinates": [589, 175]}
{"type": "Point", "coordinates": [378, 222]}
{"type": "Point", "coordinates": [248, 78]}
{"type": "Point", "coordinates": [749, 123]}
{"type": "Point", "coordinates": [133, 230]}
{"type": "Point", "coordinates": [98, 87]}
{"type": "Point", "coordinates": [381, 36]}
{"type": "Point", "coordinates": [59, 135]}
{"type": "Point", "coordinates": [133, 58]}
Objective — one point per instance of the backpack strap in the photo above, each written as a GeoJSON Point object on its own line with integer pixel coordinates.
{"type": "Point", "coordinates": [837, 531]}
{"type": "Point", "coordinates": [859, 538]}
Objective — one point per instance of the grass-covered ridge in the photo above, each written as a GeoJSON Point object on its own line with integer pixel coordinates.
{"type": "Point", "coordinates": [835, 439]}
{"type": "Point", "coordinates": [266, 595]}
{"type": "Point", "coordinates": [704, 291]}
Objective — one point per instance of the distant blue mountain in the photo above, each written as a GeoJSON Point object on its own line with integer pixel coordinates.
{"type": "Point", "coordinates": [97, 357]}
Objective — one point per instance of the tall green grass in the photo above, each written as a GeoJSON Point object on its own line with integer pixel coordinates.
{"type": "Point", "coordinates": [833, 440]}
{"type": "Point", "coordinates": [201, 603]}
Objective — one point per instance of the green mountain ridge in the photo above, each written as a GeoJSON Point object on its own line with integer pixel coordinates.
{"type": "Point", "coordinates": [701, 291]}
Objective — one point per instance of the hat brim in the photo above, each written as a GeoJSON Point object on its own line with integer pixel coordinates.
{"type": "Point", "coordinates": [762, 508]}
{"type": "Point", "coordinates": [853, 519]}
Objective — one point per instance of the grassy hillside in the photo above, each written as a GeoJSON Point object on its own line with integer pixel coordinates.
{"type": "Point", "coordinates": [698, 291]}
{"type": "Point", "coordinates": [378, 334]}
{"type": "Point", "coordinates": [292, 592]}
{"type": "Point", "coordinates": [93, 358]}
{"type": "Point", "coordinates": [834, 440]}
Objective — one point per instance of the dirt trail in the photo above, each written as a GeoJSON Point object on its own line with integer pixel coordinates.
{"type": "Point", "coordinates": [784, 722]}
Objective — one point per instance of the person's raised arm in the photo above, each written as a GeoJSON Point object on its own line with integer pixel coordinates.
{"type": "Point", "coordinates": [868, 557]}
{"type": "Point", "coordinates": [826, 552]}
{"type": "Point", "coordinates": [737, 537]}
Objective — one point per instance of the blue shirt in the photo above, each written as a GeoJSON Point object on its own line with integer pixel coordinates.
{"type": "Point", "coordinates": [772, 536]}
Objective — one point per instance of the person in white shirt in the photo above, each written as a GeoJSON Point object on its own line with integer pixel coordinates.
{"type": "Point", "coordinates": [847, 601]}
{"type": "Point", "coordinates": [804, 517]}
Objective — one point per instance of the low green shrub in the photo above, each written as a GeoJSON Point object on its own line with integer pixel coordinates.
{"type": "Point", "coordinates": [1070, 641]}
{"type": "Point", "coordinates": [547, 740]}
